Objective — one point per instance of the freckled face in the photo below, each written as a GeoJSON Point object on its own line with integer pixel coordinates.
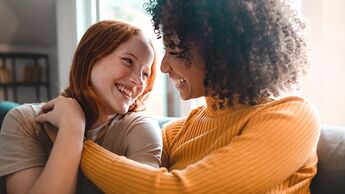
{"type": "Point", "coordinates": [121, 76]}
{"type": "Point", "coordinates": [188, 79]}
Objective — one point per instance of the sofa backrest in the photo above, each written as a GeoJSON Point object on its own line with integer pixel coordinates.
{"type": "Point", "coordinates": [5, 106]}
{"type": "Point", "coordinates": [330, 178]}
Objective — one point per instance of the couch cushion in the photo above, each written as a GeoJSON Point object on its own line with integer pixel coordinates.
{"type": "Point", "coordinates": [330, 178]}
{"type": "Point", "coordinates": [5, 106]}
{"type": "Point", "coordinates": [164, 120]}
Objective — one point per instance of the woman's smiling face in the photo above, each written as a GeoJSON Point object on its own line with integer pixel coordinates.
{"type": "Point", "coordinates": [121, 77]}
{"type": "Point", "coordinates": [188, 79]}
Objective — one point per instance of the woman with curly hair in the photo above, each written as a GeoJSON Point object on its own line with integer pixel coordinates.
{"type": "Point", "coordinates": [242, 56]}
{"type": "Point", "coordinates": [112, 72]}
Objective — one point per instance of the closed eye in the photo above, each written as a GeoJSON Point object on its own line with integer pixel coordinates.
{"type": "Point", "coordinates": [174, 53]}
{"type": "Point", "coordinates": [146, 75]}
{"type": "Point", "coordinates": [128, 61]}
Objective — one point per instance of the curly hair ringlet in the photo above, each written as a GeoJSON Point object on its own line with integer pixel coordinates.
{"type": "Point", "coordinates": [254, 48]}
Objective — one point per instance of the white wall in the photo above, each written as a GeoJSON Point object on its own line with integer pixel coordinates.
{"type": "Point", "coordinates": [73, 18]}
{"type": "Point", "coordinates": [66, 38]}
{"type": "Point", "coordinates": [325, 84]}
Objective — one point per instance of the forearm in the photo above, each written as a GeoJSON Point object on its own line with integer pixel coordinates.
{"type": "Point", "coordinates": [110, 171]}
{"type": "Point", "coordinates": [60, 173]}
{"type": "Point", "coordinates": [115, 174]}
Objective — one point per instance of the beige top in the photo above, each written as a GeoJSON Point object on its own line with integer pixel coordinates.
{"type": "Point", "coordinates": [25, 143]}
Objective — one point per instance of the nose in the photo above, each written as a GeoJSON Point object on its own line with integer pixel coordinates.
{"type": "Point", "coordinates": [165, 66]}
{"type": "Point", "coordinates": [136, 79]}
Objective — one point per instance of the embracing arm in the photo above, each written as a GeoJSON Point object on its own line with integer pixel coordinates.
{"type": "Point", "coordinates": [273, 146]}
{"type": "Point", "coordinates": [59, 175]}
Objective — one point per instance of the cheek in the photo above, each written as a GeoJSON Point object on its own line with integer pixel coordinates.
{"type": "Point", "coordinates": [140, 91]}
{"type": "Point", "coordinates": [120, 71]}
{"type": "Point", "coordinates": [95, 79]}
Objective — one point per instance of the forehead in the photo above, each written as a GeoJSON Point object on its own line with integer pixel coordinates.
{"type": "Point", "coordinates": [135, 42]}
{"type": "Point", "coordinates": [171, 39]}
{"type": "Point", "coordinates": [139, 46]}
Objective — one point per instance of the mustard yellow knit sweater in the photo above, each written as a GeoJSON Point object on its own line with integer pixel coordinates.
{"type": "Point", "coordinates": [268, 148]}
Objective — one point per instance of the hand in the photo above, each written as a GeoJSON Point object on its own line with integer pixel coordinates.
{"type": "Point", "coordinates": [63, 113]}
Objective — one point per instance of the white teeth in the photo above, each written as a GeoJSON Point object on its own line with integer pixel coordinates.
{"type": "Point", "coordinates": [179, 82]}
{"type": "Point", "coordinates": [124, 90]}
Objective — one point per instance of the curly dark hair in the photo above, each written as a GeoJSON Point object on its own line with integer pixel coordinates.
{"type": "Point", "coordinates": [254, 48]}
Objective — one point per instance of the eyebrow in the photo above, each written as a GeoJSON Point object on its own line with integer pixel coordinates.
{"type": "Point", "coordinates": [131, 54]}
{"type": "Point", "coordinates": [135, 57]}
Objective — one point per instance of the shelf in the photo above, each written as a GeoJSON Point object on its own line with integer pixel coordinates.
{"type": "Point", "coordinates": [29, 84]}
{"type": "Point", "coordinates": [19, 66]}
{"type": "Point", "coordinates": [23, 55]}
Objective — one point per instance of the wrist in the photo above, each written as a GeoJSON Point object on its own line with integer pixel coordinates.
{"type": "Point", "coordinates": [72, 131]}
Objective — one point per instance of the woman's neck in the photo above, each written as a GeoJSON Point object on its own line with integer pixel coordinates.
{"type": "Point", "coordinates": [102, 122]}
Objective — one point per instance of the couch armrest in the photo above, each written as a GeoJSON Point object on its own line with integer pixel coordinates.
{"type": "Point", "coordinates": [331, 166]}
{"type": "Point", "coordinates": [5, 106]}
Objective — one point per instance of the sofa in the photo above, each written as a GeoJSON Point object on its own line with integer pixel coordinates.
{"type": "Point", "coordinates": [330, 178]}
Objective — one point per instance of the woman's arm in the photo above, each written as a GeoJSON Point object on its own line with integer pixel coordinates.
{"type": "Point", "coordinates": [59, 175]}
{"type": "Point", "coordinates": [273, 146]}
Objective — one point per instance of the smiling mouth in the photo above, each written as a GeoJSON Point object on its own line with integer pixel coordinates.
{"type": "Point", "coordinates": [179, 83]}
{"type": "Point", "coordinates": [126, 92]}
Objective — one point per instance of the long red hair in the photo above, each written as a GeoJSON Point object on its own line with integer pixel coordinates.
{"type": "Point", "coordinates": [100, 40]}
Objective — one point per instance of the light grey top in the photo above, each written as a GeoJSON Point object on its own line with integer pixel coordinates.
{"type": "Point", "coordinates": [25, 143]}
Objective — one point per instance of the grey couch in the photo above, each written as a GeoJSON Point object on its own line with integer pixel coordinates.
{"type": "Point", "coordinates": [330, 178]}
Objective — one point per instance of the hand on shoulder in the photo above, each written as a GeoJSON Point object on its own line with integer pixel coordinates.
{"type": "Point", "coordinates": [63, 113]}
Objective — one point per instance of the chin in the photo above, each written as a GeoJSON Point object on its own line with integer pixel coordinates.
{"type": "Point", "coordinates": [121, 110]}
{"type": "Point", "coordinates": [184, 98]}
{"type": "Point", "coordinates": [185, 95]}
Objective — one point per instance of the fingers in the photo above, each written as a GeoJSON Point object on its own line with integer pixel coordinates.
{"type": "Point", "coordinates": [48, 106]}
{"type": "Point", "coordinates": [45, 109]}
{"type": "Point", "coordinates": [42, 118]}
{"type": "Point", "coordinates": [61, 111]}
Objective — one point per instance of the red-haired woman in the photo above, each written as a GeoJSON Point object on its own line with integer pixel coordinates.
{"type": "Point", "coordinates": [113, 71]}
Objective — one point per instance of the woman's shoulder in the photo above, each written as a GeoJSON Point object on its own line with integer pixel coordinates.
{"type": "Point", "coordinates": [125, 132]}
{"type": "Point", "coordinates": [132, 122]}
{"type": "Point", "coordinates": [291, 108]}
{"type": "Point", "coordinates": [292, 103]}
{"type": "Point", "coordinates": [21, 120]}
{"type": "Point", "coordinates": [25, 113]}
{"type": "Point", "coordinates": [137, 118]}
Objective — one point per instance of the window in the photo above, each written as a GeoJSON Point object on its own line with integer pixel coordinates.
{"type": "Point", "coordinates": [324, 84]}
{"type": "Point", "coordinates": [132, 11]}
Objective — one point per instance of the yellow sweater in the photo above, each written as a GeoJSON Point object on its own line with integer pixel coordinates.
{"type": "Point", "coordinates": [268, 148]}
